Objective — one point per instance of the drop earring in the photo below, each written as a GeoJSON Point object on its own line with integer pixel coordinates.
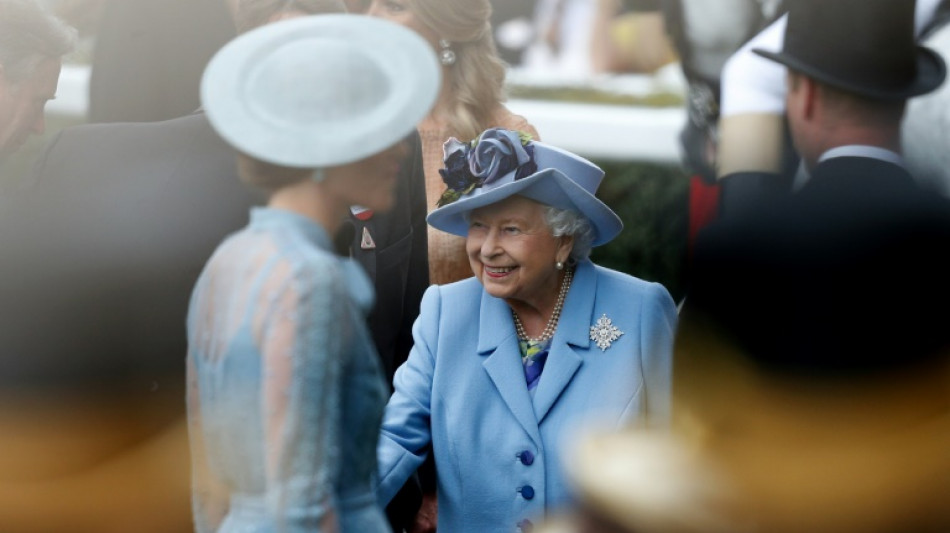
{"type": "Point", "coordinates": [446, 55]}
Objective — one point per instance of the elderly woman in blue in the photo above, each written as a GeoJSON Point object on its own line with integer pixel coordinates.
{"type": "Point", "coordinates": [508, 364]}
{"type": "Point", "coordinates": [286, 392]}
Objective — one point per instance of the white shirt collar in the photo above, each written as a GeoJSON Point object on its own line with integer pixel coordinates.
{"type": "Point", "coordinates": [851, 150]}
{"type": "Point", "coordinates": [861, 150]}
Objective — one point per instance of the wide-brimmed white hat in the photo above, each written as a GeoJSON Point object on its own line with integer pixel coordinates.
{"type": "Point", "coordinates": [320, 90]}
{"type": "Point", "coordinates": [502, 163]}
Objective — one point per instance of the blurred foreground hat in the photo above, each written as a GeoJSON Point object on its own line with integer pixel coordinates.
{"type": "Point", "coordinates": [863, 46]}
{"type": "Point", "coordinates": [320, 90]}
{"type": "Point", "coordinates": [502, 163]}
{"type": "Point", "coordinates": [756, 453]}
{"type": "Point", "coordinates": [811, 377]}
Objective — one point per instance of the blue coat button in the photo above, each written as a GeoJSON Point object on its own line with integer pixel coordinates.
{"type": "Point", "coordinates": [527, 492]}
{"type": "Point", "coordinates": [527, 458]}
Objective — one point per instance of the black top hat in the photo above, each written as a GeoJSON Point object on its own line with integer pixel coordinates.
{"type": "Point", "coordinates": [862, 46]}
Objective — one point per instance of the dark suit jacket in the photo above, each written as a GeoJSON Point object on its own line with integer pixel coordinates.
{"type": "Point", "coordinates": [398, 263]}
{"type": "Point", "coordinates": [104, 246]}
{"type": "Point", "coordinates": [846, 276]}
{"type": "Point", "coordinates": [149, 57]}
{"type": "Point", "coordinates": [106, 242]}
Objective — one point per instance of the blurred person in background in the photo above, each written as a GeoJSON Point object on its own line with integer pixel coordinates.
{"type": "Point", "coordinates": [509, 364]}
{"type": "Point", "coordinates": [753, 114]}
{"type": "Point", "coordinates": [645, 35]}
{"type": "Point", "coordinates": [32, 44]}
{"type": "Point", "coordinates": [285, 389]}
{"type": "Point", "coordinates": [148, 57]}
{"type": "Point", "coordinates": [824, 407]}
{"type": "Point", "coordinates": [811, 366]}
{"type": "Point", "coordinates": [470, 100]}
{"type": "Point", "coordinates": [629, 37]}
{"type": "Point", "coordinates": [560, 48]}
{"type": "Point", "coordinates": [925, 127]}
{"type": "Point", "coordinates": [511, 20]}
{"type": "Point", "coordinates": [124, 209]}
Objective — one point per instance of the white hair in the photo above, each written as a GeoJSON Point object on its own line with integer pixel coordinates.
{"type": "Point", "coordinates": [29, 33]}
{"type": "Point", "coordinates": [564, 223]}
{"type": "Point", "coordinates": [570, 223]}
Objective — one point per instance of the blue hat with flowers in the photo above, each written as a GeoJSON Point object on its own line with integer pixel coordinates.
{"type": "Point", "coordinates": [502, 163]}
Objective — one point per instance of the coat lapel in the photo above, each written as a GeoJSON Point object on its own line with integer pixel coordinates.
{"type": "Point", "coordinates": [497, 341]}
{"type": "Point", "coordinates": [570, 341]}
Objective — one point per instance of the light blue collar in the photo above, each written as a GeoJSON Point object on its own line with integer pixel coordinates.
{"type": "Point", "coordinates": [861, 150]}
{"type": "Point", "coordinates": [850, 150]}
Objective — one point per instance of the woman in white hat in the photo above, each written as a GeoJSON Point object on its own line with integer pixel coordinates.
{"type": "Point", "coordinates": [286, 392]}
{"type": "Point", "coordinates": [507, 365]}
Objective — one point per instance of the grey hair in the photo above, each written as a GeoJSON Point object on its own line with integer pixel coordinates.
{"type": "Point", "coordinates": [570, 223]}
{"type": "Point", "coordinates": [564, 223]}
{"type": "Point", "coordinates": [28, 35]}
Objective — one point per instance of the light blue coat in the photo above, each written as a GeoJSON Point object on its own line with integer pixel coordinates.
{"type": "Point", "coordinates": [463, 390]}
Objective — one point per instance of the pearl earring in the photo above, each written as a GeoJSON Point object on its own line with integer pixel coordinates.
{"type": "Point", "coordinates": [446, 55]}
{"type": "Point", "coordinates": [559, 265]}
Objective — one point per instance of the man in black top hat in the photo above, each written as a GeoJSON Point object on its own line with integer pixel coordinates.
{"type": "Point", "coordinates": [860, 220]}
{"type": "Point", "coordinates": [848, 88]}
{"type": "Point", "coordinates": [812, 353]}
{"type": "Point", "coordinates": [844, 46]}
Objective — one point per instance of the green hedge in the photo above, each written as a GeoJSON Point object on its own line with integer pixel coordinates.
{"type": "Point", "coordinates": [652, 201]}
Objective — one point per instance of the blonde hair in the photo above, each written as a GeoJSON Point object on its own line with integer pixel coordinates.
{"type": "Point", "coordinates": [477, 78]}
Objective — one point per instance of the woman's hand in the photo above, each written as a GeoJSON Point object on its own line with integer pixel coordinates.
{"type": "Point", "coordinates": [428, 515]}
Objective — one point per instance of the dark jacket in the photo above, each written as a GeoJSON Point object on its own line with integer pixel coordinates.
{"type": "Point", "coordinates": [108, 239]}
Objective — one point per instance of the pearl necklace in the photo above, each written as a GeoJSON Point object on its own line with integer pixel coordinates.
{"type": "Point", "coordinates": [551, 326]}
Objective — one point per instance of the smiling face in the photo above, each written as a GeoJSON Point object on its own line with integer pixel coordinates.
{"type": "Point", "coordinates": [22, 104]}
{"type": "Point", "coordinates": [513, 253]}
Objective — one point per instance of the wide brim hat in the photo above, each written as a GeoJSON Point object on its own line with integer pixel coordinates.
{"type": "Point", "coordinates": [320, 90]}
{"type": "Point", "coordinates": [866, 47]}
{"type": "Point", "coordinates": [559, 179]}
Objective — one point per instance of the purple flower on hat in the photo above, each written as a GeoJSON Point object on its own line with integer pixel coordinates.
{"type": "Point", "coordinates": [455, 157]}
{"type": "Point", "coordinates": [497, 153]}
{"type": "Point", "coordinates": [528, 168]}
{"type": "Point", "coordinates": [456, 175]}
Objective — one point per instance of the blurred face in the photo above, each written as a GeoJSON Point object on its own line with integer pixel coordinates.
{"type": "Point", "coordinates": [369, 182]}
{"type": "Point", "coordinates": [513, 253]}
{"type": "Point", "coordinates": [22, 104]}
{"type": "Point", "coordinates": [398, 11]}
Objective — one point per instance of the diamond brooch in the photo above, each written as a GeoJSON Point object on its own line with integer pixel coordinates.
{"type": "Point", "coordinates": [603, 333]}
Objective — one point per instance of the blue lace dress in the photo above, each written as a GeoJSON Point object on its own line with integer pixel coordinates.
{"type": "Point", "coordinates": [286, 392]}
